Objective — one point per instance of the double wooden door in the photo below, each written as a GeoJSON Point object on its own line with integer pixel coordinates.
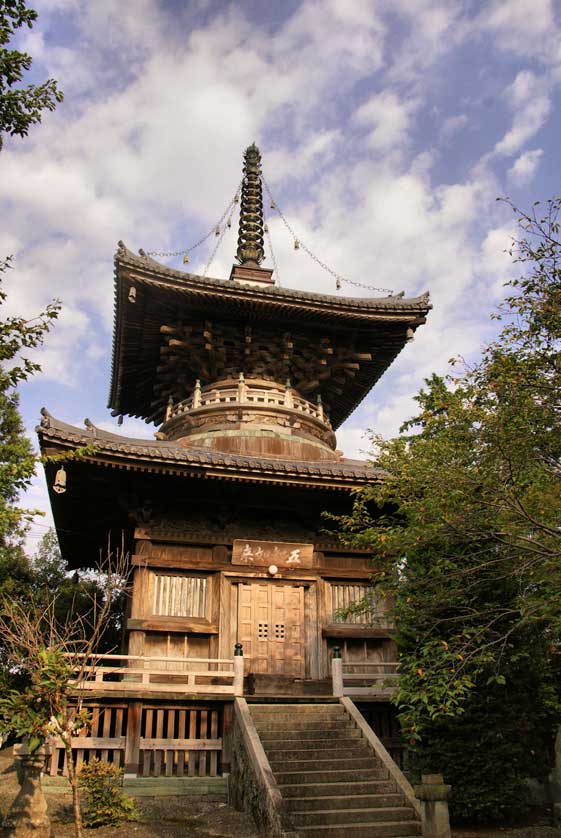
{"type": "Point", "coordinates": [271, 628]}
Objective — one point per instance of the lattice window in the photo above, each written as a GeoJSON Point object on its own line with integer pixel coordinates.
{"type": "Point", "coordinates": [345, 594]}
{"type": "Point", "coordinates": [180, 596]}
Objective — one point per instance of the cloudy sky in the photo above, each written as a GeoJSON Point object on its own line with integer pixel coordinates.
{"type": "Point", "coordinates": [388, 128]}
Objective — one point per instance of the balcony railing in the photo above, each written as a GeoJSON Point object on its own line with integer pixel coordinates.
{"type": "Point", "coordinates": [371, 678]}
{"type": "Point", "coordinates": [248, 395]}
{"type": "Point", "coordinates": [122, 673]}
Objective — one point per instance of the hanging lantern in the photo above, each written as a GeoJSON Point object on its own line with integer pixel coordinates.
{"type": "Point", "coordinates": [185, 258]}
{"type": "Point", "coordinates": [120, 420]}
{"type": "Point", "coordinates": [132, 294]}
{"type": "Point", "coordinates": [296, 244]}
{"type": "Point", "coordinates": [338, 284]}
{"type": "Point", "coordinates": [60, 481]}
{"type": "Point", "coordinates": [217, 231]}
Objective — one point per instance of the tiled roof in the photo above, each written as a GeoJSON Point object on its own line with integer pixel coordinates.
{"type": "Point", "coordinates": [155, 454]}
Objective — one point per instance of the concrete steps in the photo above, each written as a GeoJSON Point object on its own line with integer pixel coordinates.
{"type": "Point", "coordinates": [328, 775]}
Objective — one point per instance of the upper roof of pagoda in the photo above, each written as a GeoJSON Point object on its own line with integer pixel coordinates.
{"type": "Point", "coordinates": [173, 327]}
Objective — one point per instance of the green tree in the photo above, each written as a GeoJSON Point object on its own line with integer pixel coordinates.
{"type": "Point", "coordinates": [17, 458]}
{"type": "Point", "coordinates": [20, 106]}
{"type": "Point", "coordinates": [465, 531]}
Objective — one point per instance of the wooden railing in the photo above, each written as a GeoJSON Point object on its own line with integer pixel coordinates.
{"type": "Point", "coordinates": [353, 678]}
{"type": "Point", "coordinates": [210, 676]}
{"type": "Point", "coordinates": [149, 740]}
{"type": "Point", "coordinates": [246, 394]}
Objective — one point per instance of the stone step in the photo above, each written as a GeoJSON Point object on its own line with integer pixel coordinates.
{"type": "Point", "coordinates": [338, 789]}
{"type": "Point", "coordinates": [287, 778]}
{"type": "Point", "coordinates": [322, 763]}
{"type": "Point", "coordinates": [265, 725]}
{"type": "Point", "coordinates": [350, 801]}
{"type": "Point", "coordinates": [348, 816]}
{"type": "Point", "coordinates": [363, 830]}
{"type": "Point", "coordinates": [355, 748]}
{"type": "Point", "coordinates": [286, 735]}
{"type": "Point", "coordinates": [289, 716]}
{"type": "Point", "coordinates": [297, 707]}
{"type": "Point", "coordinates": [282, 743]}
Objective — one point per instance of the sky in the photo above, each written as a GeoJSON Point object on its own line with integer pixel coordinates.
{"type": "Point", "coordinates": [388, 129]}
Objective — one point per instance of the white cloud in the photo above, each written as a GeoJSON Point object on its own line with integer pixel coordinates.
{"type": "Point", "coordinates": [529, 99]}
{"type": "Point", "coordinates": [387, 118]}
{"type": "Point", "coordinates": [524, 167]}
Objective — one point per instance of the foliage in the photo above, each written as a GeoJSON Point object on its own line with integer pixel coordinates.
{"type": "Point", "coordinates": [105, 802]}
{"type": "Point", "coordinates": [20, 107]}
{"type": "Point", "coordinates": [17, 460]}
{"type": "Point", "coordinates": [54, 657]}
{"type": "Point", "coordinates": [465, 528]}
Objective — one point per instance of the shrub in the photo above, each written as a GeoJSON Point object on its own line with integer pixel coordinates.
{"type": "Point", "coordinates": [105, 802]}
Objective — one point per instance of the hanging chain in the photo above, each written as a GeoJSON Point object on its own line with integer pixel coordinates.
{"type": "Point", "coordinates": [212, 231]}
{"type": "Point", "coordinates": [218, 241]}
{"type": "Point", "coordinates": [298, 243]}
{"type": "Point", "coordinates": [273, 258]}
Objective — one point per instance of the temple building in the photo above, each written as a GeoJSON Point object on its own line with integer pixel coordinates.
{"type": "Point", "coordinates": [222, 513]}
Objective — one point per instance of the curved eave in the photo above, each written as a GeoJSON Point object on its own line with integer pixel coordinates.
{"type": "Point", "coordinates": [113, 451]}
{"type": "Point", "coordinates": [178, 288]}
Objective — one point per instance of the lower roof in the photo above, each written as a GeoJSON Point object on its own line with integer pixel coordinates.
{"type": "Point", "coordinates": [167, 457]}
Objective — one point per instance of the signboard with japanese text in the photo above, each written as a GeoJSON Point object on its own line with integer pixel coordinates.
{"type": "Point", "coordinates": [280, 553]}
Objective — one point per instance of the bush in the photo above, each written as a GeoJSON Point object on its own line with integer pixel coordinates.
{"type": "Point", "coordinates": [105, 802]}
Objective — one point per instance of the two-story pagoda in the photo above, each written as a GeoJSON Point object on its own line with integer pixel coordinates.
{"type": "Point", "coordinates": [222, 511]}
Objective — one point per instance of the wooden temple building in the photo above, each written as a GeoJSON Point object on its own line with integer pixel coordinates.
{"type": "Point", "coordinates": [222, 513]}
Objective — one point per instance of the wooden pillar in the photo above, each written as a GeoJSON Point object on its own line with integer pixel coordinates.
{"type": "Point", "coordinates": [132, 743]}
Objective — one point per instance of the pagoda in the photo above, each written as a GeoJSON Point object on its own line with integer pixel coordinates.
{"type": "Point", "coordinates": [222, 512]}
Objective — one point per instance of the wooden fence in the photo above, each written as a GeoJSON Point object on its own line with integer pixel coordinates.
{"type": "Point", "coordinates": [151, 740]}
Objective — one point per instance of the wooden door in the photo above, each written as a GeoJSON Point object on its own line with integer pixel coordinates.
{"type": "Point", "coordinates": [271, 627]}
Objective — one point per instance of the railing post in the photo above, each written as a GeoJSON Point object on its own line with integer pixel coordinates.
{"type": "Point", "coordinates": [132, 743]}
{"type": "Point", "coordinates": [238, 669]}
{"type": "Point", "coordinates": [434, 794]}
{"type": "Point", "coordinates": [337, 672]}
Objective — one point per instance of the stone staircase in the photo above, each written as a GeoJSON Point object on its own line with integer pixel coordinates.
{"type": "Point", "coordinates": [331, 781]}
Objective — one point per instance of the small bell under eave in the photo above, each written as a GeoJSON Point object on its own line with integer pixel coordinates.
{"type": "Point", "coordinates": [296, 244]}
{"type": "Point", "coordinates": [266, 228]}
{"type": "Point", "coordinates": [59, 485]}
{"type": "Point", "coordinates": [338, 284]}
{"type": "Point", "coordinates": [409, 334]}
{"type": "Point", "coordinates": [185, 258]}
{"type": "Point", "coordinates": [273, 205]}
{"type": "Point", "coordinates": [217, 231]}
{"type": "Point", "coordinates": [132, 294]}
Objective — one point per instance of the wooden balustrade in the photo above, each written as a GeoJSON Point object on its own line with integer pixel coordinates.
{"type": "Point", "coordinates": [368, 678]}
{"type": "Point", "coordinates": [250, 396]}
{"type": "Point", "coordinates": [208, 676]}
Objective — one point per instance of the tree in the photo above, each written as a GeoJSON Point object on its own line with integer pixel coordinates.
{"type": "Point", "coordinates": [54, 657]}
{"type": "Point", "coordinates": [20, 107]}
{"type": "Point", "coordinates": [465, 529]}
{"type": "Point", "coordinates": [17, 459]}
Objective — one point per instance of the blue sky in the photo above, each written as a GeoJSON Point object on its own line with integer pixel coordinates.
{"type": "Point", "coordinates": [388, 128]}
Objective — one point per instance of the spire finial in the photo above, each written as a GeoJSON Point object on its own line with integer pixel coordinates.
{"type": "Point", "coordinates": [250, 239]}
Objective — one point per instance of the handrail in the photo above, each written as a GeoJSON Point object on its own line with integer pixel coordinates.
{"type": "Point", "coordinates": [263, 771]}
{"type": "Point", "coordinates": [394, 771]}
{"type": "Point", "coordinates": [250, 396]}
{"type": "Point", "coordinates": [91, 676]}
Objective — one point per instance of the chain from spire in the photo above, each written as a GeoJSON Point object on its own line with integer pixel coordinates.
{"type": "Point", "coordinates": [251, 249]}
